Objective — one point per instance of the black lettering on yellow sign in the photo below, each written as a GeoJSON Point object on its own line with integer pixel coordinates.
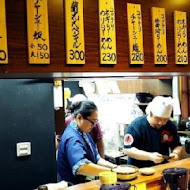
{"type": "Point", "coordinates": [181, 38]}
{"type": "Point", "coordinates": [137, 57]}
{"type": "Point", "coordinates": [109, 57]}
{"type": "Point", "coordinates": [182, 58]}
{"type": "Point", "coordinates": [161, 58]}
{"type": "Point", "coordinates": [160, 28]}
{"type": "Point", "coordinates": [3, 55]}
{"type": "Point", "coordinates": [41, 54]}
{"type": "Point", "coordinates": [106, 43]}
{"type": "Point", "coordinates": [159, 35]}
{"type": "Point", "coordinates": [77, 55]}
{"type": "Point", "coordinates": [74, 53]}
{"type": "Point", "coordinates": [38, 32]}
{"type": "Point", "coordinates": [38, 35]}
{"type": "Point", "coordinates": [107, 32]}
{"type": "Point", "coordinates": [134, 17]}
{"type": "Point", "coordinates": [75, 45]}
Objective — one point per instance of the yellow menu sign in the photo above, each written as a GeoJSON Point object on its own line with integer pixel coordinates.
{"type": "Point", "coordinates": [38, 32]}
{"type": "Point", "coordinates": [159, 35]}
{"type": "Point", "coordinates": [3, 34]}
{"type": "Point", "coordinates": [180, 30]}
{"type": "Point", "coordinates": [134, 17]}
{"type": "Point", "coordinates": [75, 48]}
{"type": "Point", "coordinates": [107, 32]}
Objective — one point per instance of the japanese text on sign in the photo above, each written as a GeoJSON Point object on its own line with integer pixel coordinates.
{"type": "Point", "coordinates": [3, 34]}
{"type": "Point", "coordinates": [38, 32]}
{"type": "Point", "coordinates": [180, 29]}
{"type": "Point", "coordinates": [159, 35]}
{"type": "Point", "coordinates": [75, 48]}
{"type": "Point", "coordinates": [135, 33]}
{"type": "Point", "coordinates": [107, 32]}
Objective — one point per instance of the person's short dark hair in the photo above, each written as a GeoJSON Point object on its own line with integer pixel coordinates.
{"type": "Point", "coordinates": [85, 108]}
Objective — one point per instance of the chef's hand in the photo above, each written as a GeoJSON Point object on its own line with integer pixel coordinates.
{"type": "Point", "coordinates": [174, 156]}
{"type": "Point", "coordinates": [114, 166]}
{"type": "Point", "coordinates": [156, 157]}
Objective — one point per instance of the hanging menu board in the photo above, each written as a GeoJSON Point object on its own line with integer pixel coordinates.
{"type": "Point", "coordinates": [75, 47]}
{"type": "Point", "coordinates": [38, 32]}
{"type": "Point", "coordinates": [180, 30]}
{"type": "Point", "coordinates": [107, 32]}
{"type": "Point", "coordinates": [159, 35]}
{"type": "Point", "coordinates": [134, 17]}
{"type": "Point", "coordinates": [3, 34]}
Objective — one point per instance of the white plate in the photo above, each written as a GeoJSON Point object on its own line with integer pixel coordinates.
{"type": "Point", "coordinates": [147, 171]}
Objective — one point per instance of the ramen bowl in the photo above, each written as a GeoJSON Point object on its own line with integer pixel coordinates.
{"type": "Point", "coordinates": [147, 171]}
{"type": "Point", "coordinates": [126, 172]}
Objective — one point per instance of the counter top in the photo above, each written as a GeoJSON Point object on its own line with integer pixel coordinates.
{"type": "Point", "coordinates": [153, 182]}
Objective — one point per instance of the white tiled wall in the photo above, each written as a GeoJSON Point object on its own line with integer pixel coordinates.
{"type": "Point", "coordinates": [116, 111]}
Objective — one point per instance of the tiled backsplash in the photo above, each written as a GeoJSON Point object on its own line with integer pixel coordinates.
{"type": "Point", "coordinates": [116, 111]}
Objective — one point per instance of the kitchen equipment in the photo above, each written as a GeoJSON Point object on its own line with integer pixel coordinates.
{"type": "Point", "coordinates": [187, 145]}
{"type": "Point", "coordinates": [144, 97]}
{"type": "Point", "coordinates": [165, 95]}
{"type": "Point", "coordinates": [183, 124]}
{"type": "Point", "coordinates": [118, 186]}
{"type": "Point", "coordinates": [166, 157]}
{"type": "Point", "coordinates": [188, 125]}
{"type": "Point", "coordinates": [176, 178]}
{"type": "Point", "coordinates": [126, 172]}
{"type": "Point", "coordinates": [107, 178]}
{"type": "Point", "coordinates": [114, 156]}
{"type": "Point", "coordinates": [147, 171]}
{"type": "Point", "coordinates": [62, 185]}
{"type": "Point", "coordinates": [42, 187]}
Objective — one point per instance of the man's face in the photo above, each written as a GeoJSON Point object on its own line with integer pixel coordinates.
{"type": "Point", "coordinates": [157, 122]}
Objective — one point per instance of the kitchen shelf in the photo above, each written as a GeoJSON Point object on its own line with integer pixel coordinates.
{"type": "Point", "coordinates": [184, 132]}
{"type": "Point", "coordinates": [141, 104]}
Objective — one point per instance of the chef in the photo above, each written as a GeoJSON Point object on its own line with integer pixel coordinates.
{"type": "Point", "coordinates": [77, 153]}
{"type": "Point", "coordinates": [151, 137]}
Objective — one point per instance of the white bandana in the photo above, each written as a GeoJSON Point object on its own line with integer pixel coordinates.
{"type": "Point", "coordinates": [160, 106]}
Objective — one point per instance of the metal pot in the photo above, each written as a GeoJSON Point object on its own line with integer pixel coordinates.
{"type": "Point", "coordinates": [176, 178]}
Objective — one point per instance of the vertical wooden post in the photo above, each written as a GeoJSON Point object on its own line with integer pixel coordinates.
{"type": "Point", "coordinates": [184, 94]}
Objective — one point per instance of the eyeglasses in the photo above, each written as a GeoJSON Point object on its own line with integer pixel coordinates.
{"type": "Point", "coordinates": [93, 122]}
{"type": "Point", "coordinates": [160, 119]}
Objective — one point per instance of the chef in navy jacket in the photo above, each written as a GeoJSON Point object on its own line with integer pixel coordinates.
{"type": "Point", "coordinates": [77, 153]}
{"type": "Point", "coordinates": [151, 136]}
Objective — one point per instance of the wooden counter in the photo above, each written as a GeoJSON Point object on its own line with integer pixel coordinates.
{"type": "Point", "coordinates": [153, 182]}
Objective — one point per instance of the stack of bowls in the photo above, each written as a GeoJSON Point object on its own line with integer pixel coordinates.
{"type": "Point", "coordinates": [144, 97]}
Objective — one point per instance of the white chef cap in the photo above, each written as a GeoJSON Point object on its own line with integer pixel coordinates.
{"type": "Point", "coordinates": [77, 98]}
{"type": "Point", "coordinates": [160, 107]}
